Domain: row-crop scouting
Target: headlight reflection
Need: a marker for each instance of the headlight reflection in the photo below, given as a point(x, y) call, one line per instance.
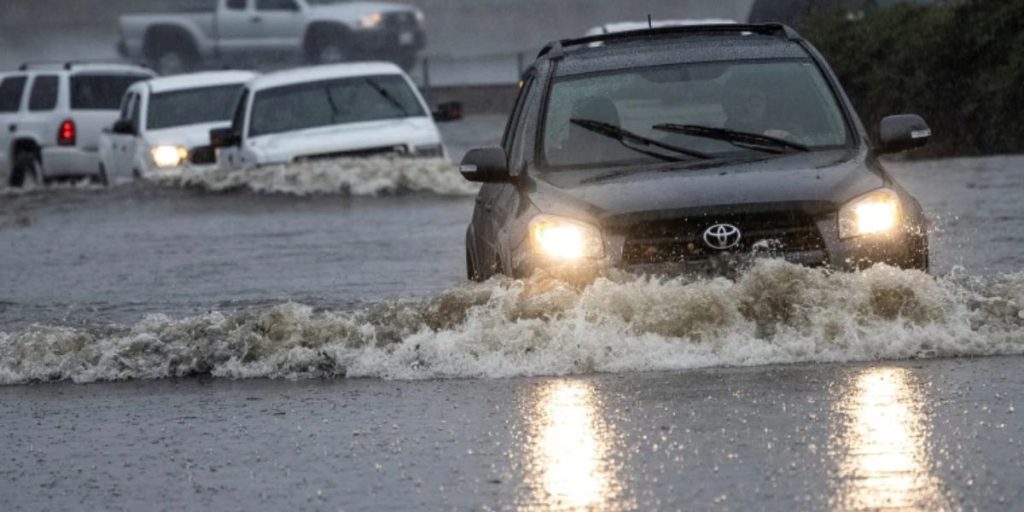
point(569, 451)
point(884, 461)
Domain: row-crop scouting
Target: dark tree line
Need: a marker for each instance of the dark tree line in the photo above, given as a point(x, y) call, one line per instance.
point(960, 65)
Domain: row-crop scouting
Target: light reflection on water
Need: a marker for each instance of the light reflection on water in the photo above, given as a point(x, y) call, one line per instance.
point(883, 448)
point(569, 449)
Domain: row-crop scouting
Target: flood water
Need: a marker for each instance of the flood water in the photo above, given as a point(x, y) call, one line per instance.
point(786, 388)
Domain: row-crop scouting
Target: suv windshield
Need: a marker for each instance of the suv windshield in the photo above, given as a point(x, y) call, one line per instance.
point(334, 102)
point(194, 106)
point(712, 110)
point(100, 92)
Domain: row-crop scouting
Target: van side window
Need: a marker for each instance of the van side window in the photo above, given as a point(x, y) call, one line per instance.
point(237, 5)
point(44, 93)
point(11, 90)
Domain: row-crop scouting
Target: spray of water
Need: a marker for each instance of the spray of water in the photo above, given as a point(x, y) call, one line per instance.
point(775, 313)
point(362, 177)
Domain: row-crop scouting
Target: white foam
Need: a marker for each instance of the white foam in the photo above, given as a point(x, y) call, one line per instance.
point(362, 177)
point(775, 313)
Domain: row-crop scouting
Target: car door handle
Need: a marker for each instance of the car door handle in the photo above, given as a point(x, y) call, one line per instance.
point(256, 19)
point(12, 128)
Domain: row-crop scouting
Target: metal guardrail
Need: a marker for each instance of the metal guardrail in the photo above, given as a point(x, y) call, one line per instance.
point(467, 70)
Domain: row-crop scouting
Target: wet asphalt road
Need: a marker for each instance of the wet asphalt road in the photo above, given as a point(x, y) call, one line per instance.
point(939, 435)
point(927, 435)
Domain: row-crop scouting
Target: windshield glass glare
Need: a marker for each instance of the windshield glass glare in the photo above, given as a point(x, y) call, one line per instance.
point(194, 106)
point(349, 100)
point(788, 100)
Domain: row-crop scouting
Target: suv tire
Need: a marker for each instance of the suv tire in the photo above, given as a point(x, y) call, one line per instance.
point(174, 61)
point(27, 167)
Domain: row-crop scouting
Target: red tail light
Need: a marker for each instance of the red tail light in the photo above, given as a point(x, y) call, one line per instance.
point(67, 134)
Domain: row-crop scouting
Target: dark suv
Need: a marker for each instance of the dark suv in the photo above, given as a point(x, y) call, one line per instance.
point(689, 149)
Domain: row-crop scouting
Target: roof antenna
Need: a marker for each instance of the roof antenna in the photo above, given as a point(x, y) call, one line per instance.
point(650, 22)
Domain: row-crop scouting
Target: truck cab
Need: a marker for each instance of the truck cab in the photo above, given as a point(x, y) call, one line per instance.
point(313, 31)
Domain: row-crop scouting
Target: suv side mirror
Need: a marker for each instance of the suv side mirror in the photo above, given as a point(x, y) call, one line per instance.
point(224, 138)
point(902, 133)
point(447, 112)
point(123, 127)
point(486, 166)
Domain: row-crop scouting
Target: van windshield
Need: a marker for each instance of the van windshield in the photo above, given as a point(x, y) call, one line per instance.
point(193, 106)
point(696, 107)
point(333, 102)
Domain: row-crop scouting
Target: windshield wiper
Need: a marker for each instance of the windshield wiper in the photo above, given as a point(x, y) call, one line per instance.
point(335, 112)
point(745, 140)
point(627, 138)
point(387, 96)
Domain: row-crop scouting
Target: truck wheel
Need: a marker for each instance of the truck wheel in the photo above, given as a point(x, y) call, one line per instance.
point(173, 62)
point(27, 171)
point(328, 46)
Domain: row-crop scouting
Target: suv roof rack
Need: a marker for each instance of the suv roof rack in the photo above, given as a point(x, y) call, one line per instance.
point(67, 65)
point(556, 49)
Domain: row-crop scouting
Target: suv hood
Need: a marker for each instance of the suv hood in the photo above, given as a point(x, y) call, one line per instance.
point(353, 11)
point(816, 181)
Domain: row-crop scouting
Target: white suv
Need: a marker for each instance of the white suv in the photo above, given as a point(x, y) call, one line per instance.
point(165, 122)
point(322, 112)
point(52, 115)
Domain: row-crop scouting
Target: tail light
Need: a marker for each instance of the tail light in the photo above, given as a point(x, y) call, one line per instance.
point(67, 134)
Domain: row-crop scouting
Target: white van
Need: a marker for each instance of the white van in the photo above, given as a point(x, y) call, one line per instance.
point(165, 122)
point(336, 111)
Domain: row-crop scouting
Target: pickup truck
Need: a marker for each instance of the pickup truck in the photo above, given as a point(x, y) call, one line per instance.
point(313, 31)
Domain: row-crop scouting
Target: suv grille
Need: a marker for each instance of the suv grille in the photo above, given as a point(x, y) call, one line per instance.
point(678, 240)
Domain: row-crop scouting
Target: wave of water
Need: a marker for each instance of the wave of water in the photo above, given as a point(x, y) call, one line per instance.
point(775, 313)
point(361, 177)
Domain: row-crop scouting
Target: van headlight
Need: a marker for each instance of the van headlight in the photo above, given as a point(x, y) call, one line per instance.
point(874, 213)
point(565, 239)
point(166, 157)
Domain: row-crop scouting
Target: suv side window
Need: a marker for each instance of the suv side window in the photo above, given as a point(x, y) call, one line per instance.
point(11, 90)
point(276, 5)
point(513, 120)
point(44, 93)
point(237, 5)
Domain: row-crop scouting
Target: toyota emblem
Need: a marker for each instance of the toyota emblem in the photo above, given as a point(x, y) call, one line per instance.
point(722, 237)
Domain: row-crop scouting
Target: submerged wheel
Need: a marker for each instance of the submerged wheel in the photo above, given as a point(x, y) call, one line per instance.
point(27, 170)
point(471, 271)
point(100, 178)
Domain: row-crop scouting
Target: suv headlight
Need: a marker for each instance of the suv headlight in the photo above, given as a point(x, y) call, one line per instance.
point(565, 239)
point(874, 213)
point(168, 156)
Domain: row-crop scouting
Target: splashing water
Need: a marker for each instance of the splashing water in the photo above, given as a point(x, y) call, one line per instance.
point(775, 313)
point(360, 177)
